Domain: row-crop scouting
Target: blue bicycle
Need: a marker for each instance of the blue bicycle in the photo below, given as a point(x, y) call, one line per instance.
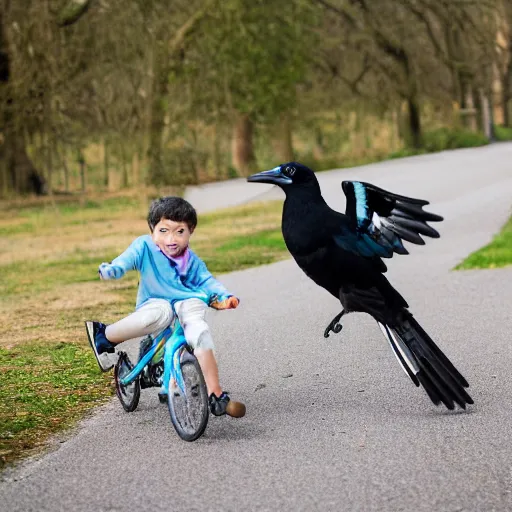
point(167, 362)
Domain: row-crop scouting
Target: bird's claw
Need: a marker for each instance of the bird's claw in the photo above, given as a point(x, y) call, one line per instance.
point(334, 326)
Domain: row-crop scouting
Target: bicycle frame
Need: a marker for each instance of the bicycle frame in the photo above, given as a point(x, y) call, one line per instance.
point(172, 341)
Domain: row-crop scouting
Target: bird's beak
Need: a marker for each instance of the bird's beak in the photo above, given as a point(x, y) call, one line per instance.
point(274, 176)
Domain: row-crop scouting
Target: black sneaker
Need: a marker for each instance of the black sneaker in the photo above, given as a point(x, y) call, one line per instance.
point(100, 345)
point(219, 406)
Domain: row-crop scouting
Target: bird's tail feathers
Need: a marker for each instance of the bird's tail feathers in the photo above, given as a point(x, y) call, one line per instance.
point(425, 363)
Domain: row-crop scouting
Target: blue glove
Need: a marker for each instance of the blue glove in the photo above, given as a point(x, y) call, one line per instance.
point(106, 271)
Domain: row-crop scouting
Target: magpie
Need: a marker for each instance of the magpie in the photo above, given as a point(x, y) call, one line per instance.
point(343, 253)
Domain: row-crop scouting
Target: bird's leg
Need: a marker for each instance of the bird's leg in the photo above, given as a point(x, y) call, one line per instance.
point(334, 326)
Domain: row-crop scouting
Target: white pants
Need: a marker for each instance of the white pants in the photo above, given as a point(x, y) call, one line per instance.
point(156, 314)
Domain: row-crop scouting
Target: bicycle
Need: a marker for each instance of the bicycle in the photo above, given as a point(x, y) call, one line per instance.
point(169, 362)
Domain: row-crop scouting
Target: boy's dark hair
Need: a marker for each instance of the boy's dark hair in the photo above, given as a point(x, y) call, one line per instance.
point(171, 208)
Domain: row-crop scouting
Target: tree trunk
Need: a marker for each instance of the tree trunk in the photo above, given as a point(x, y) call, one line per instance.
point(414, 122)
point(507, 90)
point(469, 110)
point(486, 114)
point(461, 77)
point(24, 176)
point(124, 164)
point(167, 59)
point(4, 176)
point(506, 111)
point(242, 151)
point(49, 162)
point(410, 93)
point(413, 106)
point(217, 154)
point(81, 162)
point(64, 162)
point(136, 168)
point(319, 146)
point(283, 145)
point(20, 175)
point(161, 69)
point(106, 164)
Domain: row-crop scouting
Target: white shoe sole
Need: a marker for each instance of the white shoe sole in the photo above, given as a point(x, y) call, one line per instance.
point(104, 361)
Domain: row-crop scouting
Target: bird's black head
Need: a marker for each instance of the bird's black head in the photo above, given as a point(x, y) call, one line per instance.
point(286, 175)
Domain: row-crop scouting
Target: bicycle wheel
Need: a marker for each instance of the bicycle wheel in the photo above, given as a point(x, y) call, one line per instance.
point(128, 395)
point(189, 411)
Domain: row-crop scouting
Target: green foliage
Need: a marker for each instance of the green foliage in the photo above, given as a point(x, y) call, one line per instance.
point(232, 173)
point(405, 152)
point(496, 254)
point(257, 52)
point(443, 139)
point(340, 162)
point(502, 133)
point(320, 164)
point(446, 138)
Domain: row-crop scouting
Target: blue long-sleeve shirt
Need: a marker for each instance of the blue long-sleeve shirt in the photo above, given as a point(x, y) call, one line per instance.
point(159, 277)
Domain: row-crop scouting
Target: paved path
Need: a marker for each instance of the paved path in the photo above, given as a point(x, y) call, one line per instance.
point(332, 424)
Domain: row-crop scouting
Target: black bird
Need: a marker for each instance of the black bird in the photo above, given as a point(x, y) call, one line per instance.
point(342, 253)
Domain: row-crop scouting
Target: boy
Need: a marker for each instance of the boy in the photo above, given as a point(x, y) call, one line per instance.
point(173, 280)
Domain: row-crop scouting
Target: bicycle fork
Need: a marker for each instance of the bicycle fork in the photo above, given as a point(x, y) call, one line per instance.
point(172, 360)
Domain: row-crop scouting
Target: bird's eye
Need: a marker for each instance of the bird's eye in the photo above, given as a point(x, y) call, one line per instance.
point(289, 170)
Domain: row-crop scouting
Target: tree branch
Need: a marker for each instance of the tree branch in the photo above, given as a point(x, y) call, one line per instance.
point(430, 30)
point(354, 84)
point(188, 27)
point(342, 12)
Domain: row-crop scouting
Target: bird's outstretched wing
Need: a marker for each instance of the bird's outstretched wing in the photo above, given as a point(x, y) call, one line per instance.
point(381, 220)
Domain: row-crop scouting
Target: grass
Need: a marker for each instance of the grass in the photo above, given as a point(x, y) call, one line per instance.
point(502, 133)
point(49, 255)
point(44, 387)
point(443, 139)
point(497, 254)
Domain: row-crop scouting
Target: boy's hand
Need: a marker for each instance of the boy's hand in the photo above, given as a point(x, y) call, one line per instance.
point(106, 271)
point(229, 303)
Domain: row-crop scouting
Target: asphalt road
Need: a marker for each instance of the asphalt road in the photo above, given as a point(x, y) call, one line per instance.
point(331, 424)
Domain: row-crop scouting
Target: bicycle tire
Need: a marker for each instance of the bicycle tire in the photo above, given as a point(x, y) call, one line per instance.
point(189, 413)
point(128, 395)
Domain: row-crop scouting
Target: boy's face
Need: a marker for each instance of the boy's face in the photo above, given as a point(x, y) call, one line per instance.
point(171, 237)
